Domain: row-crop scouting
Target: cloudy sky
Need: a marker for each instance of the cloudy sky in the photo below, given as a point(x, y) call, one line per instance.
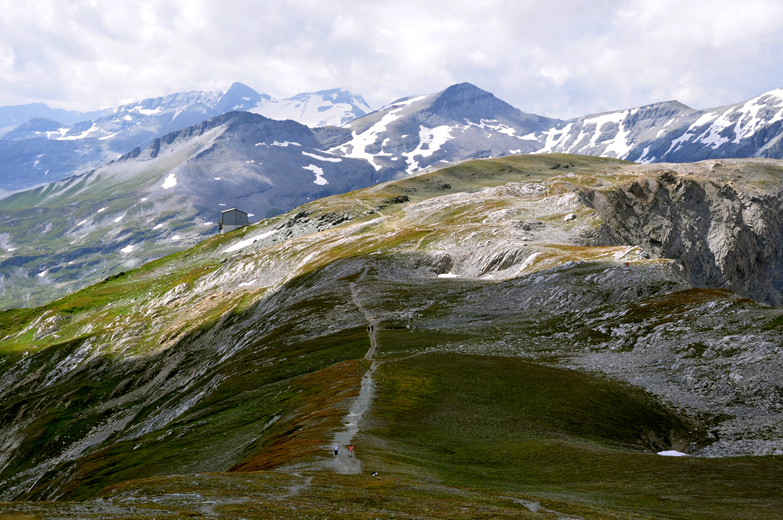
point(560, 58)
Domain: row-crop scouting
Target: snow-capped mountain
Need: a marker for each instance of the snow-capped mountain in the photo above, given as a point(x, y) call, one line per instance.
point(335, 107)
point(673, 132)
point(13, 116)
point(405, 136)
point(44, 150)
point(464, 121)
point(614, 134)
point(459, 122)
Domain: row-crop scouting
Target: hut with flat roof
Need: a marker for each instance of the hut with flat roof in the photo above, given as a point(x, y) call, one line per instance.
point(232, 219)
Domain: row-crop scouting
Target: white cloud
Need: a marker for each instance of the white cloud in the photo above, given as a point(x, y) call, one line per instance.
point(558, 58)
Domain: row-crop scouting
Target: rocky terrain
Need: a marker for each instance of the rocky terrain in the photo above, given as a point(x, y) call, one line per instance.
point(578, 314)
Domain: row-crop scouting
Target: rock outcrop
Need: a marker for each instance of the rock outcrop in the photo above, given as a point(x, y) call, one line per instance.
point(723, 231)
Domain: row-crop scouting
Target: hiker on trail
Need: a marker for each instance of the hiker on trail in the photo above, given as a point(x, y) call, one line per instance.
point(350, 451)
point(336, 447)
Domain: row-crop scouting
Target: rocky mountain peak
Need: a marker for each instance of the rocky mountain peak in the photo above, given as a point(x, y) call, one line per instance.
point(467, 101)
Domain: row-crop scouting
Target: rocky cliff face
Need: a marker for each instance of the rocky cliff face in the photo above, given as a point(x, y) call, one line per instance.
point(723, 230)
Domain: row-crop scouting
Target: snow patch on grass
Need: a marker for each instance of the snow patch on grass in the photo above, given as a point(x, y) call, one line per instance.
point(244, 243)
point(672, 453)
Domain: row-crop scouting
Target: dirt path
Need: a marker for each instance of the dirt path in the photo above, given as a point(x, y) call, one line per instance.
point(370, 320)
point(343, 438)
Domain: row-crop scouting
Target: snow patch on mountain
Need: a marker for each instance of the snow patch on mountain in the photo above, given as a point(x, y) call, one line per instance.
point(169, 182)
point(319, 174)
point(430, 141)
point(497, 127)
point(553, 138)
point(320, 158)
point(357, 146)
point(244, 243)
point(609, 132)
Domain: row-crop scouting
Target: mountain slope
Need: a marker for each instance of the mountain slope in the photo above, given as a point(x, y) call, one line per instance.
point(489, 300)
point(163, 199)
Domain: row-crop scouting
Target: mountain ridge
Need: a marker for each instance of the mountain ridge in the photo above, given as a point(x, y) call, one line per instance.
point(117, 132)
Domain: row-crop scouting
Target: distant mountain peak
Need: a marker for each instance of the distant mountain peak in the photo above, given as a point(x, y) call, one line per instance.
point(239, 97)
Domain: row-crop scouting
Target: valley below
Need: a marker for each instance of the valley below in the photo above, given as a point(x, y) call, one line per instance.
point(519, 337)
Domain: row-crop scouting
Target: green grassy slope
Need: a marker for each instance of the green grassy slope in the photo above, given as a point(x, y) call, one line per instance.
point(509, 426)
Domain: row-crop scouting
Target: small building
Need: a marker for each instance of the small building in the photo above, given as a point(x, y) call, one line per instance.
point(232, 219)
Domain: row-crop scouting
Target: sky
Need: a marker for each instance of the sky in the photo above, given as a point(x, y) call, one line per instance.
point(557, 58)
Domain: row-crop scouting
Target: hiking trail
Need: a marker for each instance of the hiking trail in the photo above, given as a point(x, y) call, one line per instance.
point(343, 463)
